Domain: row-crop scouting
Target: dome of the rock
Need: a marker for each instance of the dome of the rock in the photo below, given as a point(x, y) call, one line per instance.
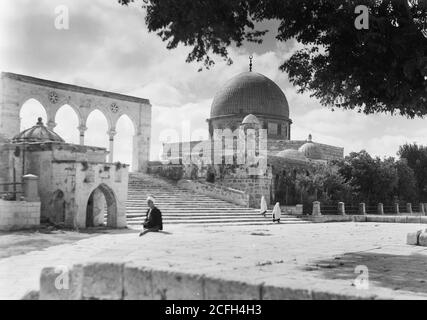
point(250, 93)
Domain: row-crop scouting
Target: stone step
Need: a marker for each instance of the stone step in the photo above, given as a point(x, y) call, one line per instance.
point(235, 221)
point(180, 206)
point(131, 216)
point(183, 208)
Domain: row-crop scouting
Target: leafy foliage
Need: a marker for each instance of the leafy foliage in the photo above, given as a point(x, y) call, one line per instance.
point(382, 69)
point(416, 158)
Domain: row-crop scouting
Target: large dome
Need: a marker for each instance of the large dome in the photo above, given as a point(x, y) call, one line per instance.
point(250, 93)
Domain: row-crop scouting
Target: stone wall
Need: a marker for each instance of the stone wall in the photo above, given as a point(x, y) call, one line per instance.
point(18, 215)
point(216, 191)
point(292, 210)
point(78, 181)
point(169, 171)
point(68, 175)
point(255, 187)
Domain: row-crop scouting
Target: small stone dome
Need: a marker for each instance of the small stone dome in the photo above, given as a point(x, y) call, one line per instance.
point(291, 154)
point(250, 92)
point(251, 119)
point(311, 150)
point(38, 133)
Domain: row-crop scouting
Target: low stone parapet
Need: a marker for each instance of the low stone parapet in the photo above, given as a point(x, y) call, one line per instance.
point(19, 215)
point(215, 191)
point(129, 281)
point(293, 210)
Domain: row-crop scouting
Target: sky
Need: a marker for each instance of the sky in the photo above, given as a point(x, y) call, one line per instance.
point(108, 47)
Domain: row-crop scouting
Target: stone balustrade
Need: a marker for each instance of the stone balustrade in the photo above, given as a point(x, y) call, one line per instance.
point(341, 209)
point(216, 191)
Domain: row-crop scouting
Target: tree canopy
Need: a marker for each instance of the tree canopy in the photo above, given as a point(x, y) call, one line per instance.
point(379, 69)
point(416, 158)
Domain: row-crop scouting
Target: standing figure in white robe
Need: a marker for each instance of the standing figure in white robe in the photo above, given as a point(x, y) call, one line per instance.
point(277, 213)
point(264, 207)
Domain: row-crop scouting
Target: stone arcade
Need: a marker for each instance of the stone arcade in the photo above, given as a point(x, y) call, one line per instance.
point(16, 89)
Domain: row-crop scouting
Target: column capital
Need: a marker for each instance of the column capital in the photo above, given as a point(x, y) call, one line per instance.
point(51, 124)
point(82, 128)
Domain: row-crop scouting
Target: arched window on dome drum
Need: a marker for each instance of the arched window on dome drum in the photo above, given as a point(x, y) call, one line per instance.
point(272, 128)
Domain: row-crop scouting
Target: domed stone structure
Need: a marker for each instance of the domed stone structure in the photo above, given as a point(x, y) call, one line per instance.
point(250, 119)
point(251, 93)
point(311, 150)
point(38, 133)
point(292, 154)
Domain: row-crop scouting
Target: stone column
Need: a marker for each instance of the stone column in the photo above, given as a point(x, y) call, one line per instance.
point(112, 133)
point(9, 116)
point(51, 124)
point(341, 208)
point(82, 129)
point(141, 153)
point(316, 209)
point(380, 208)
point(31, 188)
point(396, 208)
point(409, 208)
point(362, 209)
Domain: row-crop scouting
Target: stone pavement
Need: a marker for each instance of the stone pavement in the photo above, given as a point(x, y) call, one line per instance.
point(320, 257)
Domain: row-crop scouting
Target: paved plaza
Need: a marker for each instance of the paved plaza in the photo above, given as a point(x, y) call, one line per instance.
point(296, 256)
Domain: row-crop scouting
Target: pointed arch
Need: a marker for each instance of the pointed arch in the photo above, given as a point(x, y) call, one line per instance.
point(97, 128)
point(30, 110)
point(123, 141)
point(101, 198)
point(67, 123)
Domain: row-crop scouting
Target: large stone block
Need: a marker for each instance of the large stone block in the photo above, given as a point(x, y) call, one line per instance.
point(137, 283)
point(413, 238)
point(168, 285)
point(61, 284)
point(219, 289)
point(103, 281)
point(422, 240)
point(281, 293)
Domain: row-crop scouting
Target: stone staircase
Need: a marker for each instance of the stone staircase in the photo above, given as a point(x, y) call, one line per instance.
point(180, 206)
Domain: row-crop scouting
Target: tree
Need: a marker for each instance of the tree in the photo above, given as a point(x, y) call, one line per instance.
point(373, 179)
point(407, 188)
point(380, 69)
point(323, 183)
point(416, 158)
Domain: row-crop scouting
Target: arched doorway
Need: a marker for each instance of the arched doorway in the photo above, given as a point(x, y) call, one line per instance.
point(101, 208)
point(30, 111)
point(58, 207)
point(123, 141)
point(67, 123)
